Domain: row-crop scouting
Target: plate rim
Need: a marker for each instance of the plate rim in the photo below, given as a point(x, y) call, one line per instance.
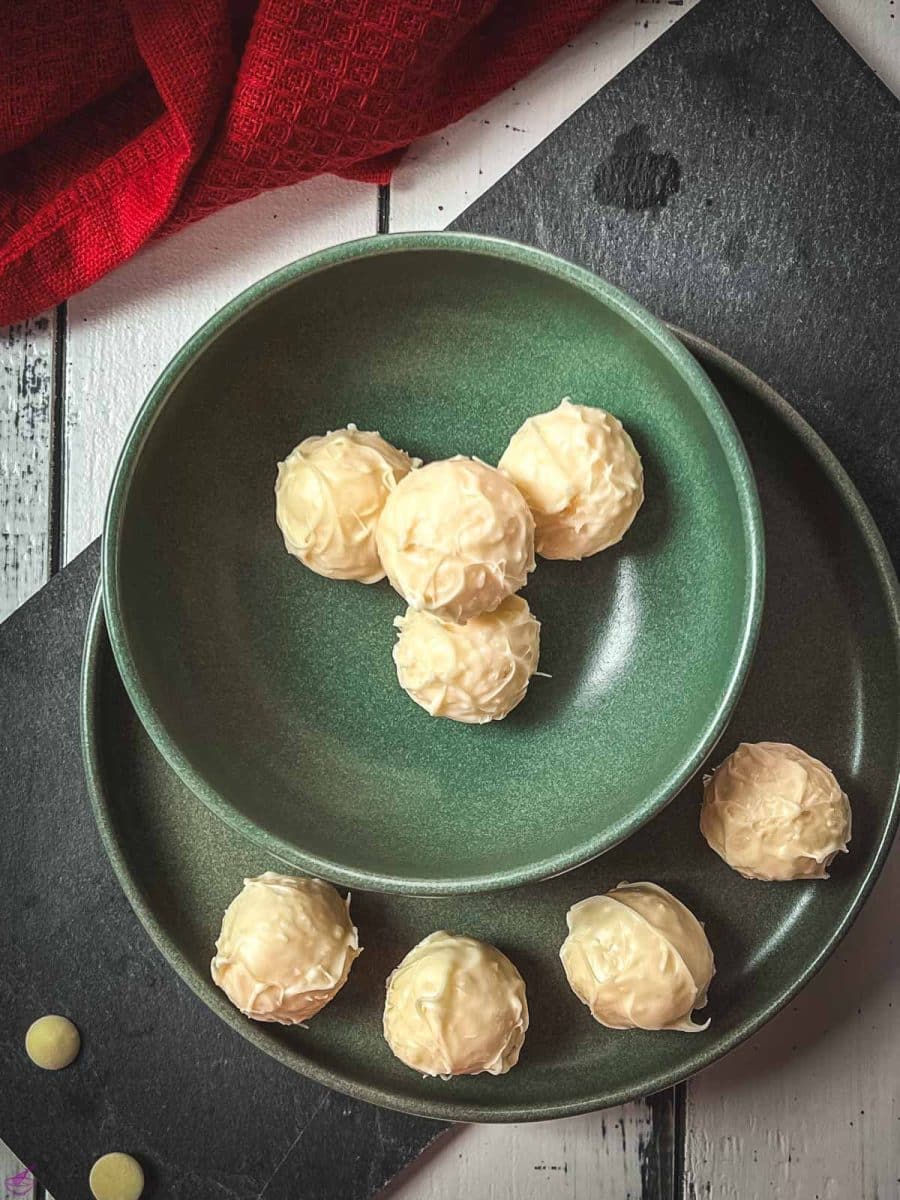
point(497, 1113)
point(729, 440)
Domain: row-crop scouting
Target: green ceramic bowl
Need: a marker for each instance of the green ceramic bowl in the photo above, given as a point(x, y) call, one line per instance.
point(271, 691)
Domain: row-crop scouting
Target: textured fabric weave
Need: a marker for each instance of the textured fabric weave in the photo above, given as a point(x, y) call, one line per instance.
point(121, 120)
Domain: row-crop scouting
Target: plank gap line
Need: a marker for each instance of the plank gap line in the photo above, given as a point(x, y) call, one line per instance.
point(58, 440)
point(384, 208)
point(679, 1140)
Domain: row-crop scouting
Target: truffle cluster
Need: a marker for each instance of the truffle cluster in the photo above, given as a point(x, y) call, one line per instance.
point(636, 956)
point(456, 539)
point(455, 1005)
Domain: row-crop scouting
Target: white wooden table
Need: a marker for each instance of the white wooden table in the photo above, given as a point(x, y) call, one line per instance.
point(809, 1109)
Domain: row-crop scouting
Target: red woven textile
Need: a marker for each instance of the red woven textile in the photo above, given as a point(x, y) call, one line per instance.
point(124, 119)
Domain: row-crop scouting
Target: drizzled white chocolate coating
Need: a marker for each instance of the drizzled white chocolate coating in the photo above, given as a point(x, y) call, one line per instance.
point(474, 673)
point(456, 538)
point(774, 812)
point(581, 475)
point(638, 958)
point(329, 495)
point(456, 1006)
point(286, 948)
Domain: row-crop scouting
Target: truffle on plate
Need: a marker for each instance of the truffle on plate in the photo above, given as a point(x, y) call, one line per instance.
point(456, 538)
point(456, 1006)
point(286, 948)
point(638, 958)
point(581, 475)
point(329, 495)
point(474, 673)
point(774, 812)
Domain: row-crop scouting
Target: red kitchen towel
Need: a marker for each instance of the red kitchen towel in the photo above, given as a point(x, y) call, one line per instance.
point(121, 120)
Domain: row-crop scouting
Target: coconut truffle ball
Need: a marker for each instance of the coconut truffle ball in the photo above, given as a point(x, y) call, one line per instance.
point(773, 812)
point(285, 949)
point(456, 1006)
point(638, 959)
point(329, 495)
point(474, 673)
point(456, 538)
point(581, 475)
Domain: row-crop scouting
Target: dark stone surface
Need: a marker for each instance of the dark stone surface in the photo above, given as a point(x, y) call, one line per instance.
point(159, 1076)
point(741, 179)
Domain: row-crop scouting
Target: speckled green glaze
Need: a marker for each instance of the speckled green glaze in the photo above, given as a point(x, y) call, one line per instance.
point(826, 675)
point(272, 692)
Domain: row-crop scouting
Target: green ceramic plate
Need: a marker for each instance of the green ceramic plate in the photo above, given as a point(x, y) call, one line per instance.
point(826, 675)
point(272, 692)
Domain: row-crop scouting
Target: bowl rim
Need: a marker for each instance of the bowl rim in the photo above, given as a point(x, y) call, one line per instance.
point(704, 393)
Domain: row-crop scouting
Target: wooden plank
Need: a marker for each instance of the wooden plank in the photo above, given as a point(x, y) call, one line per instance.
point(872, 27)
point(442, 174)
point(621, 1154)
point(26, 451)
point(15, 1178)
point(124, 329)
point(809, 1109)
point(26, 417)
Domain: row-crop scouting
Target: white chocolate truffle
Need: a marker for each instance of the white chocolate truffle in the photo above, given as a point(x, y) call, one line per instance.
point(474, 673)
point(329, 495)
point(286, 948)
point(456, 1006)
point(456, 538)
point(581, 475)
point(638, 959)
point(773, 812)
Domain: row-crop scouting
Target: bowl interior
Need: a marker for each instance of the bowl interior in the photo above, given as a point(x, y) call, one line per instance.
point(273, 691)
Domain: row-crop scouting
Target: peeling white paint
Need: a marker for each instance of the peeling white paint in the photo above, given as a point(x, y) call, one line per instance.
point(26, 402)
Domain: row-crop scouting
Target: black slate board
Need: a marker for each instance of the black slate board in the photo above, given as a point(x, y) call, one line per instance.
point(740, 179)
